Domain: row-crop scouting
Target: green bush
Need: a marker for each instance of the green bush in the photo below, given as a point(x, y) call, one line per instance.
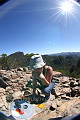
point(29, 84)
point(9, 98)
point(24, 69)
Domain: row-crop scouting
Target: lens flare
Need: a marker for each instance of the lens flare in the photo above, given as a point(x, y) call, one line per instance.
point(66, 7)
point(76, 2)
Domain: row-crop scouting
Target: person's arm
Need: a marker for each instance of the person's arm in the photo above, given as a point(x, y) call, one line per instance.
point(50, 73)
point(39, 75)
point(43, 79)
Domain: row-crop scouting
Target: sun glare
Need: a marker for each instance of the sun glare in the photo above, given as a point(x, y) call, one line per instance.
point(66, 7)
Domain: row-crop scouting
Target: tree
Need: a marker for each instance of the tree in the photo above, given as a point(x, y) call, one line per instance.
point(72, 69)
point(69, 61)
point(56, 60)
point(78, 63)
point(3, 61)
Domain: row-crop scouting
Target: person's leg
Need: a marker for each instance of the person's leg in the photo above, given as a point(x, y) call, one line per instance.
point(47, 89)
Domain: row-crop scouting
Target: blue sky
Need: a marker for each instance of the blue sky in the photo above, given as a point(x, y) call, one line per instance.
point(33, 26)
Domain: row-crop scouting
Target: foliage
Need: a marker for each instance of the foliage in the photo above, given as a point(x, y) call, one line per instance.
point(67, 64)
point(24, 69)
point(4, 62)
point(9, 97)
point(78, 63)
point(29, 84)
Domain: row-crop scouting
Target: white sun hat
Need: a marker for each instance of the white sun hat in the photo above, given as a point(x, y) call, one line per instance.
point(37, 62)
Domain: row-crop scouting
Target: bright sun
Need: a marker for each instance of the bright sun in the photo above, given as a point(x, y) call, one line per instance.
point(66, 6)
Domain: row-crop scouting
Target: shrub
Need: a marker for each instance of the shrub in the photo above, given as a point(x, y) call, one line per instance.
point(9, 97)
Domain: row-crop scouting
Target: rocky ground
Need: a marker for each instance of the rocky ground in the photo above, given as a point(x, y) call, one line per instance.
point(64, 100)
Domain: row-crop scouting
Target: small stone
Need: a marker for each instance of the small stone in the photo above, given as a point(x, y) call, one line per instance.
point(65, 97)
point(8, 88)
point(53, 106)
point(17, 94)
point(52, 97)
point(2, 90)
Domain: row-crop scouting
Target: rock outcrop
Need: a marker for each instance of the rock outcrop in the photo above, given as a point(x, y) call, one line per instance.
point(64, 100)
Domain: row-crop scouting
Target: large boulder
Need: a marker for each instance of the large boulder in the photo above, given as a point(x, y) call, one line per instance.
point(70, 107)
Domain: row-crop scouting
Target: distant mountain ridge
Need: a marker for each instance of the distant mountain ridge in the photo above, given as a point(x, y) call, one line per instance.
point(16, 56)
point(66, 54)
point(65, 62)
